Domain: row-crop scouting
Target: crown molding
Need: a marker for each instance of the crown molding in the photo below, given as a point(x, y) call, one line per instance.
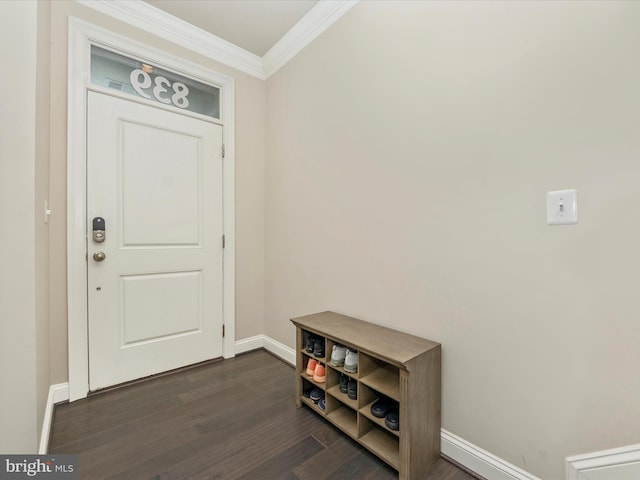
point(158, 22)
point(153, 20)
point(324, 14)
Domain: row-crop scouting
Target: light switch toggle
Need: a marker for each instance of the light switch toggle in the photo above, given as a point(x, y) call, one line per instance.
point(562, 207)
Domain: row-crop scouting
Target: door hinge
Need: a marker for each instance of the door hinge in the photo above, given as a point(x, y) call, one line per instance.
point(223, 150)
point(222, 330)
point(224, 242)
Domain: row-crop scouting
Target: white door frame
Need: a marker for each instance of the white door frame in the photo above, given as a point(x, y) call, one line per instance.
point(81, 36)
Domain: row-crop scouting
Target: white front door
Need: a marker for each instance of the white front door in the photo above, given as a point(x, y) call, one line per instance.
point(155, 300)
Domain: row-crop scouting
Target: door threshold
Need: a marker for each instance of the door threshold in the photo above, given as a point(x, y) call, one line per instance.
point(153, 377)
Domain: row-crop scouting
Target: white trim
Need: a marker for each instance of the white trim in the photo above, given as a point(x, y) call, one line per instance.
point(317, 20)
point(76, 215)
point(280, 350)
point(229, 215)
point(251, 343)
point(80, 36)
point(60, 392)
point(480, 461)
point(578, 465)
point(158, 22)
point(57, 393)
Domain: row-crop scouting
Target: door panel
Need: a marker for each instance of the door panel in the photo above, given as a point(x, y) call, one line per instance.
point(162, 169)
point(155, 301)
point(177, 299)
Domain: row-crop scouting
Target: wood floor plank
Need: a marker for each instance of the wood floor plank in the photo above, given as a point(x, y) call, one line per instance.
point(250, 449)
point(231, 420)
point(326, 462)
point(279, 466)
point(359, 465)
point(328, 436)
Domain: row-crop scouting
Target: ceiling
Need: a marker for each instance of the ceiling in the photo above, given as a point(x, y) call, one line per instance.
point(255, 25)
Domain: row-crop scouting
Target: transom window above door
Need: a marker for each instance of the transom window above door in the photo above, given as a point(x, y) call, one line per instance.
point(135, 77)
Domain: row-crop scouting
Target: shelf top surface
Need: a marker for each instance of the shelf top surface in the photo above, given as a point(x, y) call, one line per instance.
point(394, 346)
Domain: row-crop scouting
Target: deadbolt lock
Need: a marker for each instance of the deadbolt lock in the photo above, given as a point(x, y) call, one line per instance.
point(98, 229)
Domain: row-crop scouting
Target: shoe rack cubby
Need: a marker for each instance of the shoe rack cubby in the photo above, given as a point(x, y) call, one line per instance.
point(401, 367)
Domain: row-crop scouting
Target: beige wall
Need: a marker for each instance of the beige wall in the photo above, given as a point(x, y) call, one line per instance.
point(21, 255)
point(250, 151)
point(409, 151)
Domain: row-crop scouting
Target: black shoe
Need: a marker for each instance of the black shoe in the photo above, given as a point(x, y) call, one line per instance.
point(352, 389)
point(381, 407)
point(318, 348)
point(392, 420)
point(309, 342)
point(344, 381)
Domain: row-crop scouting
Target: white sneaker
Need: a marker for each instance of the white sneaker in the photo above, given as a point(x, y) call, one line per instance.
point(338, 355)
point(351, 361)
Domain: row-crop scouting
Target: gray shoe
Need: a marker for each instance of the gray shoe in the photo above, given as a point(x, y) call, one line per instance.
point(351, 361)
point(338, 355)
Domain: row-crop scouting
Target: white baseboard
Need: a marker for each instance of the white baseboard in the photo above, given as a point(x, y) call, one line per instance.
point(480, 461)
point(618, 463)
point(280, 350)
point(287, 354)
point(57, 393)
point(250, 343)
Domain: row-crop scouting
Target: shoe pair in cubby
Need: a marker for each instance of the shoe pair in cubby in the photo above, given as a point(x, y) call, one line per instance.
point(344, 357)
point(349, 386)
point(314, 344)
point(316, 371)
point(387, 409)
point(316, 395)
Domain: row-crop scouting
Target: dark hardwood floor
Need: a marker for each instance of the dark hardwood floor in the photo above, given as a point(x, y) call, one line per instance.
point(233, 419)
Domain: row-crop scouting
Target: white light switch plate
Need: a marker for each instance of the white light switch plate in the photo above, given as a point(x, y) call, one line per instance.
point(562, 207)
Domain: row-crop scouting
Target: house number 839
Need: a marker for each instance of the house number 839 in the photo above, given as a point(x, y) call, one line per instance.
point(177, 96)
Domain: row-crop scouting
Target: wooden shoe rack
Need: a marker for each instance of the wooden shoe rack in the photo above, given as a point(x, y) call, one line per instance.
point(402, 367)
